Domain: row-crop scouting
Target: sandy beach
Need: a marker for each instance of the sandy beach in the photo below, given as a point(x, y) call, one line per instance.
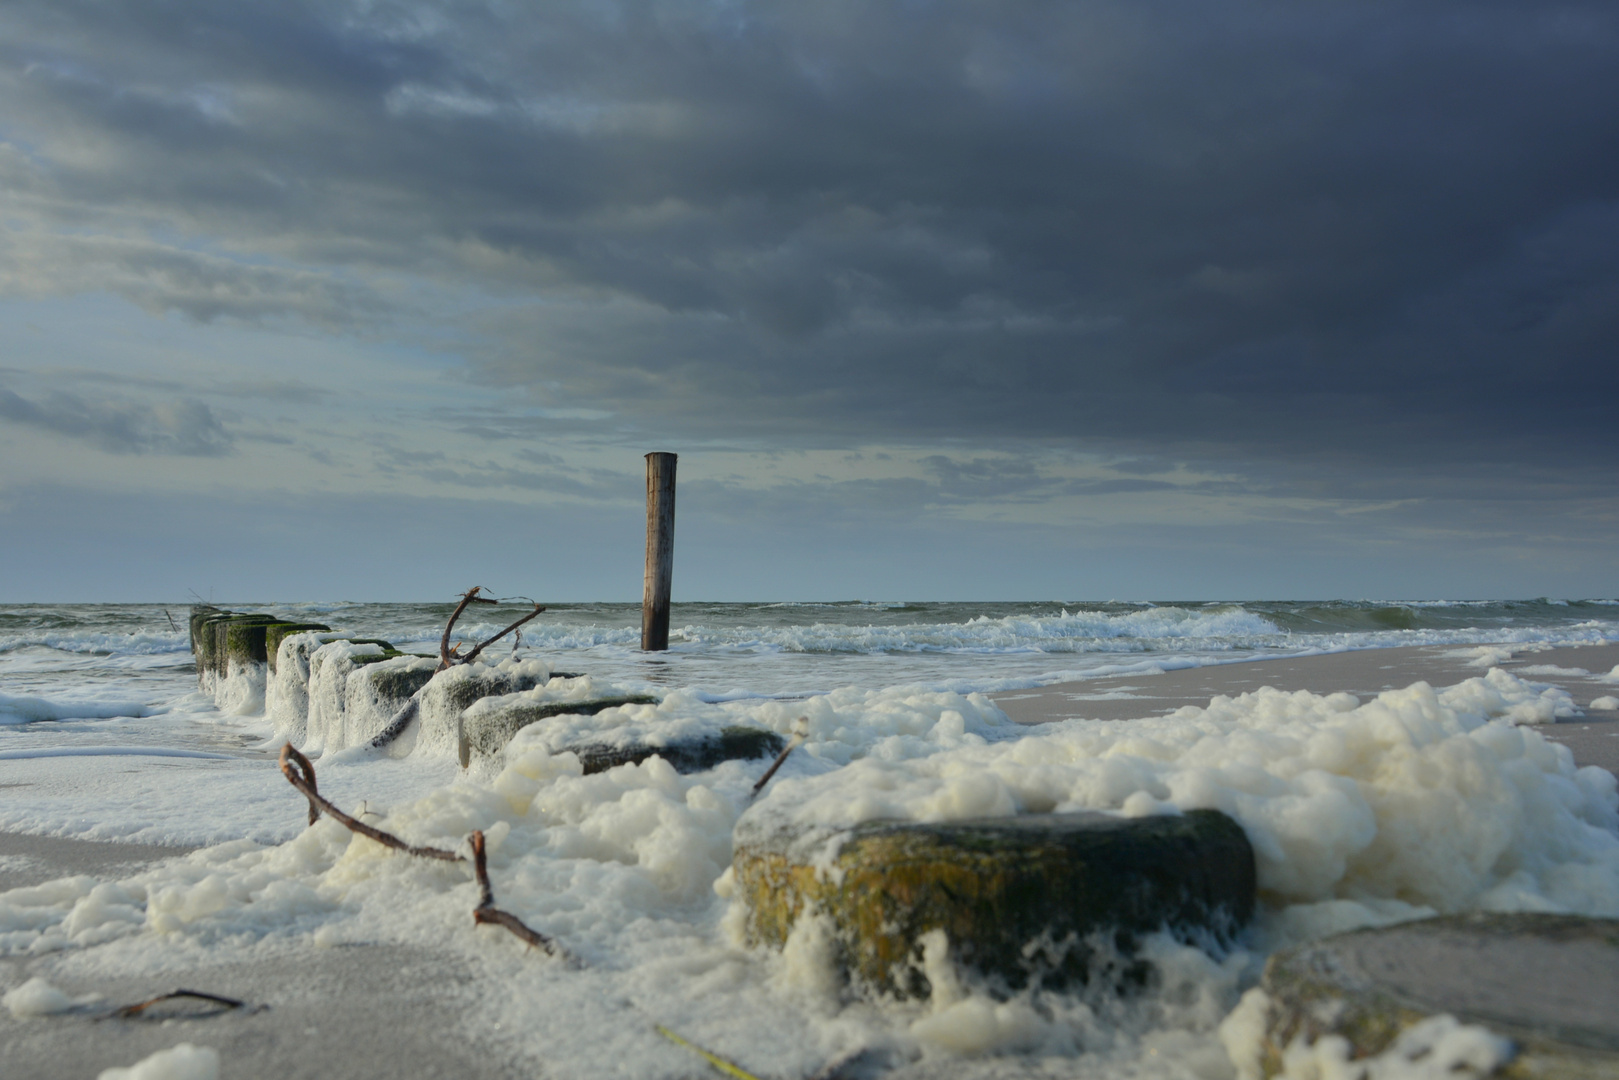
point(365, 1010)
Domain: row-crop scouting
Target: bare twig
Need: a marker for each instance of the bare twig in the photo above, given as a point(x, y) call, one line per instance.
point(135, 1010)
point(473, 655)
point(487, 912)
point(445, 653)
point(301, 774)
point(792, 744)
point(169, 617)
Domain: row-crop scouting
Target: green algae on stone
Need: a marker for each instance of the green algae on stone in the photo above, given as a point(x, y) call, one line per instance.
point(1546, 982)
point(249, 644)
point(1021, 900)
point(199, 613)
point(202, 637)
point(276, 633)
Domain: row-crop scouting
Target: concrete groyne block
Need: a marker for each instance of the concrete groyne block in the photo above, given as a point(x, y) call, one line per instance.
point(454, 690)
point(1546, 984)
point(688, 755)
point(606, 726)
point(377, 688)
point(330, 665)
point(490, 725)
point(213, 644)
point(276, 633)
point(1019, 900)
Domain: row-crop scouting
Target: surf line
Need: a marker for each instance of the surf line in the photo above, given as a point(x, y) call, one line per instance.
point(108, 751)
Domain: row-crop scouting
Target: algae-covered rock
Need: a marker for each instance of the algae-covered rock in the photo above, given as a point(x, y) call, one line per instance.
point(240, 669)
point(276, 633)
point(241, 636)
point(1020, 899)
point(1546, 982)
point(205, 642)
point(200, 613)
point(455, 689)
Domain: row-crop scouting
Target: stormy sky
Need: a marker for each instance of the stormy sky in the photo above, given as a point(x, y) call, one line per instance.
point(968, 300)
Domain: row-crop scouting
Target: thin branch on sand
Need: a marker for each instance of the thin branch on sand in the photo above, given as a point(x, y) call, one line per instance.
point(135, 1010)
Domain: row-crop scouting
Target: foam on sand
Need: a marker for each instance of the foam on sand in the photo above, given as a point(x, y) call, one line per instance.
point(1361, 813)
point(182, 1062)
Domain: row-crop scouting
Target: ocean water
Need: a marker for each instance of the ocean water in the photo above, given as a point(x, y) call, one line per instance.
point(1361, 812)
point(139, 652)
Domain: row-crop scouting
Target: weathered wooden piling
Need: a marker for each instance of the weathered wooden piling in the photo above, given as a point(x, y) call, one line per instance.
point(660, 550)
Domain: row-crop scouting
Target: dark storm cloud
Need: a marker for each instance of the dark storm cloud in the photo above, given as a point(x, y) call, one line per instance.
point(1330, 231)
point(185, 427)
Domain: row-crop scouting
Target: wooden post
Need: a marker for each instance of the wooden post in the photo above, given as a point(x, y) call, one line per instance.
point(660, 551)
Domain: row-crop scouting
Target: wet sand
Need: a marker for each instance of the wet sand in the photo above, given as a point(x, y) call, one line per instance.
point(1594, 738)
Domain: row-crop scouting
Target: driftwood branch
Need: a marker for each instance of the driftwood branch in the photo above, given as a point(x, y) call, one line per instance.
point(447, 655)
point(135, 1010)
point(301, 774)
point(482, 645)
point(792, 744)
point(399, 723)
point(487, 912)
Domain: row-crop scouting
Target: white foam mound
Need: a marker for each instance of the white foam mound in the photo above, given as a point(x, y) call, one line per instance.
point(241, 691)
point(182, 1062)
point(36, 997)
point(1432, 799)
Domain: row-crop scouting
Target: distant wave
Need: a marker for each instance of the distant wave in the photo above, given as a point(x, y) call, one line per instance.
point(28, 710)
point(98, 643)
point(106, 751)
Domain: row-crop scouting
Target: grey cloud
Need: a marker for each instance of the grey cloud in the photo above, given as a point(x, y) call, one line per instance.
point(184, 427)
point(1346, 232)
point(161, 278)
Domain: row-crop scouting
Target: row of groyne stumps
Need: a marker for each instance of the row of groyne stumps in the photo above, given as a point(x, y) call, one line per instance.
point(1038, 901)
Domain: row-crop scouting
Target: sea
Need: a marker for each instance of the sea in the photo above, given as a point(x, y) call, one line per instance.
point(105, 736)
point(90, 659)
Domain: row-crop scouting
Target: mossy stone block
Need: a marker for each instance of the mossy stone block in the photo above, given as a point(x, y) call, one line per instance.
point(202, 637)
point(1546, 982)
point(686, 755)
point(276, 633)
point(248, 644)
point(488, 732)
point(1020, 899)
point(200, 613)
